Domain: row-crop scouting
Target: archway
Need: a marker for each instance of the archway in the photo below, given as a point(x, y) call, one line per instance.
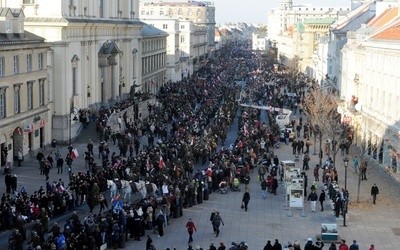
point(18, 142)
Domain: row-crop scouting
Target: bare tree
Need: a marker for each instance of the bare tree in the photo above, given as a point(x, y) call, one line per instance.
point(320, 108)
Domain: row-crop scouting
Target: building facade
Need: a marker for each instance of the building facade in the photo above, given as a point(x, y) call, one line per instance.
point(153, 51)
point(94, 60)
point(201, 13)
point(369, 91)
point(25, 101)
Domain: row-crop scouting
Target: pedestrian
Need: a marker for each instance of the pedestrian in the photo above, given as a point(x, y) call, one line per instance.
point(190, 228)
point(20, 157)
point(268, 246)
point(277, 245)
point(319, 244)
point(355, 163)
point(7, 180)
point(343, 245)
point(247, 182)
point(245, 200)
point(46, 170)
point(90, 147)
point(217, 220)
point(309, 245)
point(354, 246)
point(374, 192)
point(221, 246)
point(148, 243)
point(160, 225)
point(60, 164)
point(322, 199)
point(313, 197)
point(212, 247)
point(364, 171)
point(14, 183)
point(274, 185)
point(372, 247)
point(316, 173)
point(264, 185)
point(213, 213)
point(332, 246)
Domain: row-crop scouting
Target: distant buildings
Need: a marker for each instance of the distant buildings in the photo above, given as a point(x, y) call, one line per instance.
point(356, 55)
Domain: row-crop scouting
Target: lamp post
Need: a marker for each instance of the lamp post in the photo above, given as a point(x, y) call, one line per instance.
point(346, 163)
point(73, 112)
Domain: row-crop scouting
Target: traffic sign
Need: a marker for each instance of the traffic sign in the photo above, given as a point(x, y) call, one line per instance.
point(118, 206)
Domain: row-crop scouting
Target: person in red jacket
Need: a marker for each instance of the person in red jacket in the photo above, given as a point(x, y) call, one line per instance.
point(343, 245)
point(191, 228)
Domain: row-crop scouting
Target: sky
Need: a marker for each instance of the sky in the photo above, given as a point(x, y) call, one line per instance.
point(255, 11)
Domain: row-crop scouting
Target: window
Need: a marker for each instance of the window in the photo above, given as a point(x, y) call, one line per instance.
point(142, 12)
point(16, 100)
point(161, 12)
point(182, 27)
point(182, 39)
point(28, 2)
point(40, 61)
point(198, 13)
point(180, 12)
point(165, 26)
point(30, 94)
point(16, 64)
point(2, 62)
point(29, 62)
point(41, 92)
point(2, 103)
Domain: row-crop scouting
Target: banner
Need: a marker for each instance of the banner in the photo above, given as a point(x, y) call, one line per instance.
point(296, 198)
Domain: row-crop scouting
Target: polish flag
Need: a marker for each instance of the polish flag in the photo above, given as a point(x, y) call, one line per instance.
point(161, 164)
point(74, 153)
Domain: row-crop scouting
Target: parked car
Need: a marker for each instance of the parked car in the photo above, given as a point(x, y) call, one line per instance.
point(292, 134)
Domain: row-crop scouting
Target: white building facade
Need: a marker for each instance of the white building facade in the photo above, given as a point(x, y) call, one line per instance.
point(94, 58)
point(370, 89)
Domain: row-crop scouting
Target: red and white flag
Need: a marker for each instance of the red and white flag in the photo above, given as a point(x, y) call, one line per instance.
point(115, 198)
point(246, 132)
point(161, 164)
point(74, 153)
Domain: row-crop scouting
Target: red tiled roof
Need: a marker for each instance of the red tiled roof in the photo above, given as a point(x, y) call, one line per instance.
point(384, 18)
point(391, 33)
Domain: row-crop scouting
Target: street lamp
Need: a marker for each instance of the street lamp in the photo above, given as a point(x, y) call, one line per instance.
point(346, 163)
point(73, 112)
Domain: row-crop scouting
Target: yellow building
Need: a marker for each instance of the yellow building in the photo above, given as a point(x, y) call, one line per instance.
point(25, 114)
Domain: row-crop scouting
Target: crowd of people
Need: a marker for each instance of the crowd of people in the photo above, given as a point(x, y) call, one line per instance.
point(185, 127)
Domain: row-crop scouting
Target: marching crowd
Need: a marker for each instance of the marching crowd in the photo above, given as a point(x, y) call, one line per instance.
point(184, 128)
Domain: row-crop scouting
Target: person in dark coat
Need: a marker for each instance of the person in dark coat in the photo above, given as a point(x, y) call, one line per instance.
point(246, 199)
point(268, 246)
point(7, 180)
point(14, 183)
point(148, 242)
point(277, 245)
point(322, 199)
point(374, 192)
point(274, 185)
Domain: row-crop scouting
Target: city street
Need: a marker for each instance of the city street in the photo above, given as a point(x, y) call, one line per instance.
point(266, 219)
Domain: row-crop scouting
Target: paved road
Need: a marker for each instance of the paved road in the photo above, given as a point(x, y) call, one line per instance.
point(266, 219)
